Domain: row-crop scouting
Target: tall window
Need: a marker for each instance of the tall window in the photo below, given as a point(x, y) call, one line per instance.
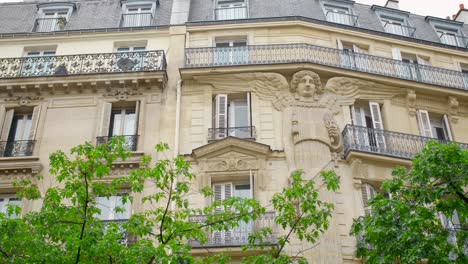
point(120, 119)
point(413, 67)
point(231, 116)
point(339, 14)
point(137, 15)
point(434, 125)
point(369, 131)
point(231, 9)
point(52, 20)
point(353, 56)
point(449, 36)
point(464, 70)
point(130, 58)
point(397, 26)
point(367, 192)
point(6, 201)
point(109, 205)
point(18, 132)
point(231, 52)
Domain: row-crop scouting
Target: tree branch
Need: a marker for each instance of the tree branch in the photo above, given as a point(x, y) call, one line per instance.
point(151, 260)
point(161, 228)
point(85, 216)
point(4, 253)
point(289, 234)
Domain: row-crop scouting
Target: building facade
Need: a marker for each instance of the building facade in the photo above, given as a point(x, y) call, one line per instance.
point(246, 90)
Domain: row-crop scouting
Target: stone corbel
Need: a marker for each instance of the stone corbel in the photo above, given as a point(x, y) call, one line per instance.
point(453, 109)
point(411, 102)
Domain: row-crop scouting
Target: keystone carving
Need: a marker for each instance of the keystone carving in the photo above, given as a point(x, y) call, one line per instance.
point(453, 109)
point(24, 99)
point(122, 93)
point(411, 101)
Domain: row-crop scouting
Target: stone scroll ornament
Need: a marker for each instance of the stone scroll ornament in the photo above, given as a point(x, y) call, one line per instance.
point(310, 131)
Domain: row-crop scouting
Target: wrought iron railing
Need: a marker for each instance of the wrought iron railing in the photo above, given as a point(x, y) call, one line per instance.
point(341, 18)
point(125, 240)
point(238, 236)
point(239, 132)
point(130, 141)
point(19, 148)
point(47, 24)
point(141, 61)
point(398, 29)
point(306, 53)
point(454, 40)
point(136, 20)
point(384, 142)
point(228, 13)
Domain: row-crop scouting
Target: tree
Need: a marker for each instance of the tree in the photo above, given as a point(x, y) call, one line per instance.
point(422, 216)
point(67, 229)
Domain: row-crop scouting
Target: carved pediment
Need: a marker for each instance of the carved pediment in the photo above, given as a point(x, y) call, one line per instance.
point(231, 144)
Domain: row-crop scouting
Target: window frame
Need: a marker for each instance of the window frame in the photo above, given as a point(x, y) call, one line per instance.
point(139, 5)
point(55, 8)
point(9, 197)
point(338, 5)
point(231, 4)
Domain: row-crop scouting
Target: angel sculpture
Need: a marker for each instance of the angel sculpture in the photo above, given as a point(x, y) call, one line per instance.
point(310, 131)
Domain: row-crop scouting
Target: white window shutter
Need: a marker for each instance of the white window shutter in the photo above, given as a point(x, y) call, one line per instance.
point(339, 44)
point(249, 114)
point(396, 54)
point(424, 123)
point(137, 116)
point(7, 124)
point(447, 128)
point(376, 116)
point(352, 110)
point(221, 114)
point(34, 122)
point(367, 192)
point(105, 119)
point(422, 61)
point(2, 115)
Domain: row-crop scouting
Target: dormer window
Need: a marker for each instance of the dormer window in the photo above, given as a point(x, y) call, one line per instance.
point(231, 9)
point(137, 13)
point(395, 21)
point(53, 16)
point(448, 31)
point(339, 12)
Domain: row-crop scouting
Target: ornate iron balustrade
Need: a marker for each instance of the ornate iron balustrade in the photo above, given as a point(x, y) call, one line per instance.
point(239, 132)
point(384, 142)
point(401, 30)
point(19, 148)
point(454, 40)
point(306, 53)
point(125, 240)
point(141, 61)
point(231, 13)
point(130, 141)
point(342, 18)
point(237, 236)
point(46, 25)
point(136, 20)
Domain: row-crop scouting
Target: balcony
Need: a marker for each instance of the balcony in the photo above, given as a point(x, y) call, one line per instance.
point(19, 148)
point(130, 141)
point(306, 53)
point(230, 13)
point(239, 132)
point(238, 236)
point(47, 25)
point(136, 20)
point(342, 18)
point(382, 142)
point(399, 29)
point(141, 61)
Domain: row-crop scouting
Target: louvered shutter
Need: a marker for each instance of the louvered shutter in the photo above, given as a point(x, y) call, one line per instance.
point(378, 125)
point(424, 122)
point(34, 122)
point(352, 111)
point(448, 130)
point(367, 192)
point(221, 115)
point(7, 124)
point(104, 124)
point(2, 116)
point(396, 54)
point(222, 191)
point(137, 116)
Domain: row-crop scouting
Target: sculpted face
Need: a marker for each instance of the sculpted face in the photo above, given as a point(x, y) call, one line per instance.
point(306, 86)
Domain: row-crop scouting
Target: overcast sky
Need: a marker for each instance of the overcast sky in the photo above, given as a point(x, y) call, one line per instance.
point(437, 8)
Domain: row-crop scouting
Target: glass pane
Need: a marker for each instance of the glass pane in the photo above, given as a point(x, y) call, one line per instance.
point(116, 120)
point(123, 49)
point(138, 48)
point(241, 114)
point(27, 127)
point(104, 205)
point(126, 207)
point(16, 128)
point(130, 122)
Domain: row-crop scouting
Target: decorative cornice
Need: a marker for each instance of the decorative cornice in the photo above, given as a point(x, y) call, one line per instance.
point(231, 143)
point(24, 99)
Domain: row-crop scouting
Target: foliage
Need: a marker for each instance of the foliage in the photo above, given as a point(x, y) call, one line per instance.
point(67, 228)
point(405, 226)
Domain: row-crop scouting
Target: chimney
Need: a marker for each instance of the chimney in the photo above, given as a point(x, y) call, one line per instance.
point(462, 15)
point(392, 4)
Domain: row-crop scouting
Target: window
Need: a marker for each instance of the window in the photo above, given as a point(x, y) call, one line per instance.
point(231, 52)
point(108, 207)
point(130, 58)
point(464, 70)
point(413, 67)
point(397, 26)
point(19, 131)
point(353, 56)
point(434, 126)
point(240, 234)
point(38, 63)
point(53, 16)
point(450, 36)
point(339, 14)
point(231, 116)
point(231, 9)
point(137, 14)
point(120, 119)
point(368, 131)
point(368, 192)
point(6, 201)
